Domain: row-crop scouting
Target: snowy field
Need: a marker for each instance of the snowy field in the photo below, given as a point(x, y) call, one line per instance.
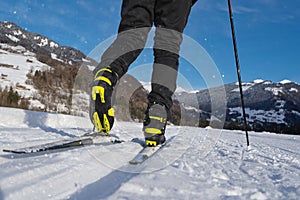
point(195, 164)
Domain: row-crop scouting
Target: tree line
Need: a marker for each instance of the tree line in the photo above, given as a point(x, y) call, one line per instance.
point(11, 98)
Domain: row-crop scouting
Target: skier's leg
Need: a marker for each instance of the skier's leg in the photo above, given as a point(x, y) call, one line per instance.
point(137, 19)
point(136, 22)
point(170, 20)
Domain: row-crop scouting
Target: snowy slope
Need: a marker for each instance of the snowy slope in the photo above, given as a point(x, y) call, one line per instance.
point(19, 62)
point(197, 163)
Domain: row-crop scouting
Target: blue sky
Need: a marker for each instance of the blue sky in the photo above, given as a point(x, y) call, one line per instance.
point(267, 32)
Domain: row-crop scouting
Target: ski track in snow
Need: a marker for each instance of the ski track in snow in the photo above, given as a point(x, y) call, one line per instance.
point(195, 164)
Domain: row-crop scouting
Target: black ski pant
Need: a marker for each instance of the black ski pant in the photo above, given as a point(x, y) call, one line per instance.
point(137, 18)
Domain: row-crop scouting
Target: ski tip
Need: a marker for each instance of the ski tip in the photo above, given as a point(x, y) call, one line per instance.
point(118, 141)
point(133, 162)
point(137, 161)
point(13, 151)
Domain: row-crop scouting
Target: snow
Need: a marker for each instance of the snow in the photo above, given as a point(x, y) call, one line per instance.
point(296, 112)
point(272, 116)
point(196, 164)
point(257, 81)
point(267, 83)
point(275, 90)
point(44, 42)
point(79, 104)
point(146, 85)
point(21, 62)
point(245, 86)
point(85, 60)
point(16, 74)
point(91, 67)
point(36, 104)
point(53, 45)
point(293, 90)
point(192, 109)
point(285, 82)
point(54, 56)
point(17, 32)
point(12, 38)
point(8, 25)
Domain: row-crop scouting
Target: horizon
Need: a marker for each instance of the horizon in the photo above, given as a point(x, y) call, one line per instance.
point(267, 33)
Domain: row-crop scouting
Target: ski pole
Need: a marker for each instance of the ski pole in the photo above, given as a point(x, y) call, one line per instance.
point(238, 69)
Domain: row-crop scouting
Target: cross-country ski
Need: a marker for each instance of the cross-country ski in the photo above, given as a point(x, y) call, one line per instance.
point(144, 154)
point(88, 139)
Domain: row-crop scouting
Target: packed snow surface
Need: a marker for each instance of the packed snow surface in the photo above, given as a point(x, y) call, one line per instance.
point(195, 164)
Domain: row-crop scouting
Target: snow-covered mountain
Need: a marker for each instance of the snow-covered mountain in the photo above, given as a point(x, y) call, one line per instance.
point(14, 35)
point(269, 106)
point(42, 72)
point(197, 164)
point(270, 103)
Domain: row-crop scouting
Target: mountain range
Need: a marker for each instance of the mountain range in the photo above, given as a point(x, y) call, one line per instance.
point(37, 73)
point(270, 106)
point(12, 34)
